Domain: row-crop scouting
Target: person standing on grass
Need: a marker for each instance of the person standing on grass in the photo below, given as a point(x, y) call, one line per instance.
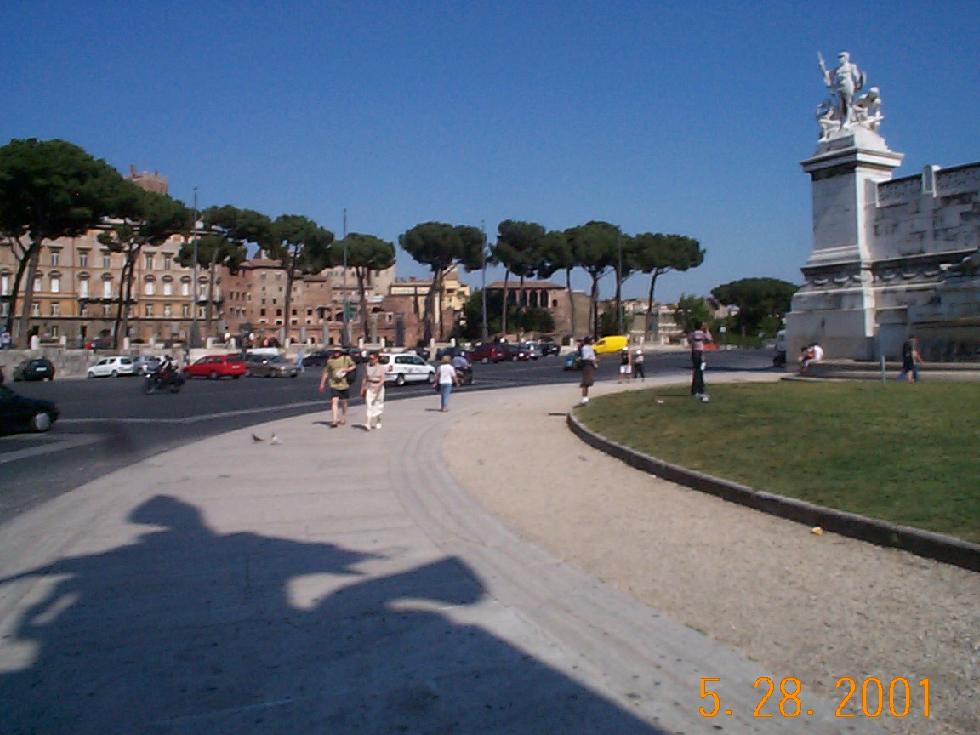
point(697, 338)
point(337, 371)
point(625, 365)
point(373, 390)
point(445, 379)
point(911, 359)
point(638, 364)
point(589, 364)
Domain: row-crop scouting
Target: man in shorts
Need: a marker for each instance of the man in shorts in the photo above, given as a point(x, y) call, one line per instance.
point(338, 371)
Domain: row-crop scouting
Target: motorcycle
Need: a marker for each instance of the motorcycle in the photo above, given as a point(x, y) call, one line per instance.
point(161, 380)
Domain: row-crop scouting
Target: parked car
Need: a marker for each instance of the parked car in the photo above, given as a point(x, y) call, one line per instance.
point(549, 347)
point(779, 359)
point(34, 368)
point(452, 352)
point(407, 368)
point(101, 343)
point(490, 352)
point(147, 364)
point(19, 413)
point(112, 367)
point(613, 343)
point(273, 367)
point(316, 359)
point(217, 366)
point(526, 351)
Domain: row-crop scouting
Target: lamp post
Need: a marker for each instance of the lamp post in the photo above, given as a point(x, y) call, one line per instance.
point(483, 280)
point(194, 327)
point(346, 337)
point(619, 281)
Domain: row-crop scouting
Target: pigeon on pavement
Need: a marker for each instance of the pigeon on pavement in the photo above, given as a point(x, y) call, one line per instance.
point(257, 438)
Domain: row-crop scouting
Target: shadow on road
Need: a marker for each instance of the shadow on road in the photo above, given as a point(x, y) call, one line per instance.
point(193, 631)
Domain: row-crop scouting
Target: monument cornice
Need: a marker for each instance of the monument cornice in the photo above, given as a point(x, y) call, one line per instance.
point(840, 160)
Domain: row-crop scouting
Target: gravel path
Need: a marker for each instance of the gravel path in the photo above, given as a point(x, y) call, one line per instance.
point(816, 608)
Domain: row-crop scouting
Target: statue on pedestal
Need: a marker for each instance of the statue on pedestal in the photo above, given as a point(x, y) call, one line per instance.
point(845, 109)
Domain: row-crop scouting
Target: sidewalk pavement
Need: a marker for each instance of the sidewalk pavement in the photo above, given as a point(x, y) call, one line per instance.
point(337, 581)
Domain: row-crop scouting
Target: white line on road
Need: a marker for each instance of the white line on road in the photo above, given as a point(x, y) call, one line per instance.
point(51, 445)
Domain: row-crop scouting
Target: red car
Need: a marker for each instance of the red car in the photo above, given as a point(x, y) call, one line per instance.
point(217, 366)
point(490, 352)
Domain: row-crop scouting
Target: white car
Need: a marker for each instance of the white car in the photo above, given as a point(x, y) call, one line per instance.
point(112, 367)
point(405, 368)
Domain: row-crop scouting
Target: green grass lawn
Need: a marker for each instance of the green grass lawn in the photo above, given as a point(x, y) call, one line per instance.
point(904, 453)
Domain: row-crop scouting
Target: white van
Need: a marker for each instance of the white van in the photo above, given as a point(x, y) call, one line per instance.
point(406, 368)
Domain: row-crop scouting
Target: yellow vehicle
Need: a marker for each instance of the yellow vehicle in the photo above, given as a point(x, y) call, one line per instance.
point(613, 343)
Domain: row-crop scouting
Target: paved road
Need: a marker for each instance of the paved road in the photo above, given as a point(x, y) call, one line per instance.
point(108, 423)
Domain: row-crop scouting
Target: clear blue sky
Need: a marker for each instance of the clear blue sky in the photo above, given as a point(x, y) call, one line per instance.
point(685, 117)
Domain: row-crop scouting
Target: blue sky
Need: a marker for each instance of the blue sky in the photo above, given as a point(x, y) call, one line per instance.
point(685, 117)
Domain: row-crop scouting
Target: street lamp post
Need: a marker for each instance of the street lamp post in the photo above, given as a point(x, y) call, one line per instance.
point(619, 282)
point(483, 280)
point(346, 337)
point(194, 326)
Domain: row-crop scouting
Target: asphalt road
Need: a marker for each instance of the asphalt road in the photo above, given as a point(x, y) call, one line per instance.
point(108, 423)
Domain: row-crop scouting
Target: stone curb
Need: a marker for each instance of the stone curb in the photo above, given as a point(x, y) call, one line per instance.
point(915, 541)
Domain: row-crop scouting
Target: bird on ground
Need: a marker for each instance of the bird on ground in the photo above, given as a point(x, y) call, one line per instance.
point(274, 440)
point(257, 438)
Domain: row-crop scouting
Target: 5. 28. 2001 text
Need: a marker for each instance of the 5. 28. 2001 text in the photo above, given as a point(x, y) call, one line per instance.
point(876, 698)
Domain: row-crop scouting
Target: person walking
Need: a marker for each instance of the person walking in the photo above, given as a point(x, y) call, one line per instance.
point(589, 364)
point(445, 379)
point(697, 338)
point(625, 366)
point(373, 390)
point(638, 364)
point(300, 358)
point(337, 372)
point(911, 359)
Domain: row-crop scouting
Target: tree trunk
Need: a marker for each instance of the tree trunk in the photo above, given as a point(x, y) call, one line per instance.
point(287, 304)
point(503, 316)
point(595, 306)
point(427, 306)
point(362, 289)
point(653, 283)
point(571, 301)
point(120, 302)
point(22, 260)
point(438, 310)
point(129, 298)
point(210, 304)
point(23, 331)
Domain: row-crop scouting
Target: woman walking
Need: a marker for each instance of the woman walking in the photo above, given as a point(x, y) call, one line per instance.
point(589, 363)
point(373, 391)
point(445, 379)
point(625, 365)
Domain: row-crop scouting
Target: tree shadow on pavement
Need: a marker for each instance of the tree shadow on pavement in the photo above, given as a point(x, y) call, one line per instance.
point(186, 630)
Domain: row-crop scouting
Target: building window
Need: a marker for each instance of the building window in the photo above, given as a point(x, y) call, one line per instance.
point(147, 309)
point(5, 284)
point(168, 261)
point(55, 284)
point(55, 331)
point(83, 309)
point(149, 288)
point(55, 308)
point(149, 261)
point(278, 312)
point(35, 308)
point(185, 310)
point(106, 261)
point(185, 288)
point(167, 310)
point(168, 288)
point(83, 258)
point(37, 284)
point(107, 289)
point(200, 312)
point(55, 257)
point(261, 312)
point(106, 310)
point(83, 287)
